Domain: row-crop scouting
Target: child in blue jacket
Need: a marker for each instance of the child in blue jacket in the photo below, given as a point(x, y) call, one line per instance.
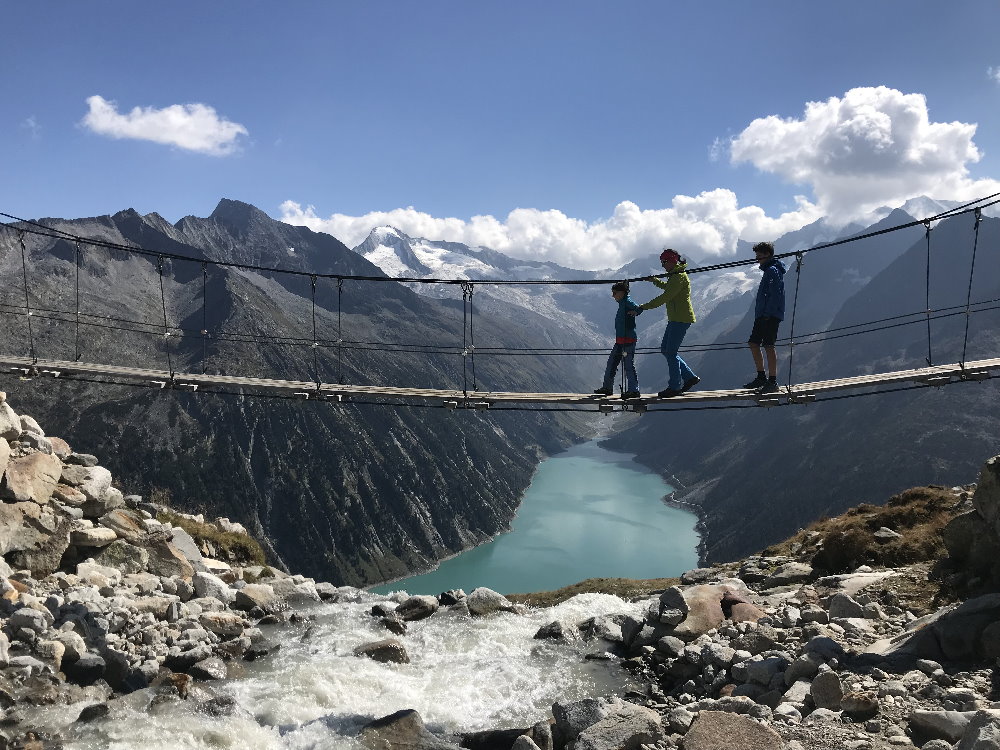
point(769, 311)
point(624, 348)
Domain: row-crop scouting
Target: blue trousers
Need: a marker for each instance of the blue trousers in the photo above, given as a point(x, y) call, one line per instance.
point(619, 353)
point(672, 338)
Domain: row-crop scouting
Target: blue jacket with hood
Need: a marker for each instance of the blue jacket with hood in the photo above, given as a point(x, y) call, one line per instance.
point(771, 292)
point(625, 323)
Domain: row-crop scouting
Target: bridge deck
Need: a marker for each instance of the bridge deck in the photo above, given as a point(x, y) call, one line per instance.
point(935, 375)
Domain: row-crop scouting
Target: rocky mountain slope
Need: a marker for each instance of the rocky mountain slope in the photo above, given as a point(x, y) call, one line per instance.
point(353, 493)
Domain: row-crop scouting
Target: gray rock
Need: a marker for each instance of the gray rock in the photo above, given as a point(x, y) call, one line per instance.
point(389, 650)
point(10, 423)
point(206, 584)
point(575, 716)
point(827, 691)
point(96, 536)
point(31, 478)
point(558, 630)
point(788, 574)
point(859, 704)
point(946, 725)
point(124, 557)
point(417, 608)
point(484, 601)
point(842, 605)
point(983, 733)
point(626, 727)
point(719, 730)
point(403, 729)
point(679, 720)
point(212, 668)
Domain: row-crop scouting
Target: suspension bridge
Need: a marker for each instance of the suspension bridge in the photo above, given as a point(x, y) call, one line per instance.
point(33, 364)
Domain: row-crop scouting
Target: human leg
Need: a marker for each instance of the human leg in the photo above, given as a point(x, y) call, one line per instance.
point(611, 368)
point(631, 376)
point(673, 335)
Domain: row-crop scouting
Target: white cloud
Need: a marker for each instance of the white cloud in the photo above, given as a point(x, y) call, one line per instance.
point(31, 125)
point(704, 226)
point(193, 127)
point(872, 147)
point(994, 73)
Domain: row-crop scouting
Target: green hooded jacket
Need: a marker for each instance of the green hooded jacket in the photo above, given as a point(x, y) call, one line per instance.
point(676, 296)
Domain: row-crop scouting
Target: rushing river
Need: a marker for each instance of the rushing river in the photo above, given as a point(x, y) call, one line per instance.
point(588, 513)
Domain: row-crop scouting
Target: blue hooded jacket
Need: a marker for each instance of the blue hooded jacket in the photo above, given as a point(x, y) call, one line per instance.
point(625, 323)
point(771, 292)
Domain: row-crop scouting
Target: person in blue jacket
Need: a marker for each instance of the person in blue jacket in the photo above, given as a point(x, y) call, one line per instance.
point(769, 311)
point(624, 348)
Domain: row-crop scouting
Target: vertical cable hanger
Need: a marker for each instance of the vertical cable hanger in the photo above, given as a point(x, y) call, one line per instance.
point(791, 332)
point(315, 343)
point(78, 253)
point(340, 332)
point(27, 303)
point(472, 339)
point(927, 293)
point(163, 304)
point(204, 316)
point(465, 340)
point(968, 296)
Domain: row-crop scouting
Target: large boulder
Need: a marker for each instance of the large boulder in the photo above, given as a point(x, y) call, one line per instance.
point(959, 633)
point(389, 650)
point(44, 557)
point(625, 727)
point(31, 478)
point(10, 422)
point(403, 729)
point(417, 608)
point(721, 730)
point(484, 601)
point(705, 604)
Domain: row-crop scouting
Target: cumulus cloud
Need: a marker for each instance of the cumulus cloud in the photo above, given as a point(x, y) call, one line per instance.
point(994, 73)
point(870, 148)
point(192, 127)
point(30, 124)
point(703, 226)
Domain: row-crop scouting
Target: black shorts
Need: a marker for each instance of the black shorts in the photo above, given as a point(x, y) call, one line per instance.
point(765, 331)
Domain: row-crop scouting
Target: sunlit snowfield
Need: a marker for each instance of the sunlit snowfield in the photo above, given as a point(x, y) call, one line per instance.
point(465, 675)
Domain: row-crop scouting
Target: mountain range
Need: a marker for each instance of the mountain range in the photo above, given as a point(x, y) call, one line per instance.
point(361, 493)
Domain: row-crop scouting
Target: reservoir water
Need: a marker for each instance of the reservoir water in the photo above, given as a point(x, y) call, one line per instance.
point(588, 513)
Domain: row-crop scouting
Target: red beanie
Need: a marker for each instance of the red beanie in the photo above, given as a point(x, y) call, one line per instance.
point(669, 254)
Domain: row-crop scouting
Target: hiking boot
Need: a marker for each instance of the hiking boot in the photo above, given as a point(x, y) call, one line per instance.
point(690, 383)
point(758, 382)
point(771, 386)
point(631, 394)
point(602, 391)
point(669, 393)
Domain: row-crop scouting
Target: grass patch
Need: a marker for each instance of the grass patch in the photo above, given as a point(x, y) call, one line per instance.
point(625, 588)
point(841, 544)
point(230, 546)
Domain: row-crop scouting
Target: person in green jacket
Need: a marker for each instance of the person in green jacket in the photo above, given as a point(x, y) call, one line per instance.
point(676, 296)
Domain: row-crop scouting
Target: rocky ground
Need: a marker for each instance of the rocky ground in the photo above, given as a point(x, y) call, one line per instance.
point(103, 594)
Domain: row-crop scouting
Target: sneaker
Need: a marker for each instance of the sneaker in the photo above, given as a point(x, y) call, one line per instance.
point(669, 393)
point(758, 382)
point(690, 383)
point(631, 394)
point(770, 386)
point(602, 391)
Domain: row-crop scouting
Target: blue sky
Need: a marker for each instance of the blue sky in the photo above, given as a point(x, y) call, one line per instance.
point(582, 132)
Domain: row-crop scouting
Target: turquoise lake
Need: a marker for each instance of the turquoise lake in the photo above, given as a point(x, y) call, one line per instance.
point(588, 513)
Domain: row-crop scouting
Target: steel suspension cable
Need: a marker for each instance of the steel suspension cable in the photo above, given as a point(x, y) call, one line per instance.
point(27, 304)
point(166, 332)
point(791, 331)
point(968, 297)
point(927, 293)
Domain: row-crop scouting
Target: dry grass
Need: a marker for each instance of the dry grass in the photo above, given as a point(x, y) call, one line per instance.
point(625, 588)
point(841, 544)
point(231, 547)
